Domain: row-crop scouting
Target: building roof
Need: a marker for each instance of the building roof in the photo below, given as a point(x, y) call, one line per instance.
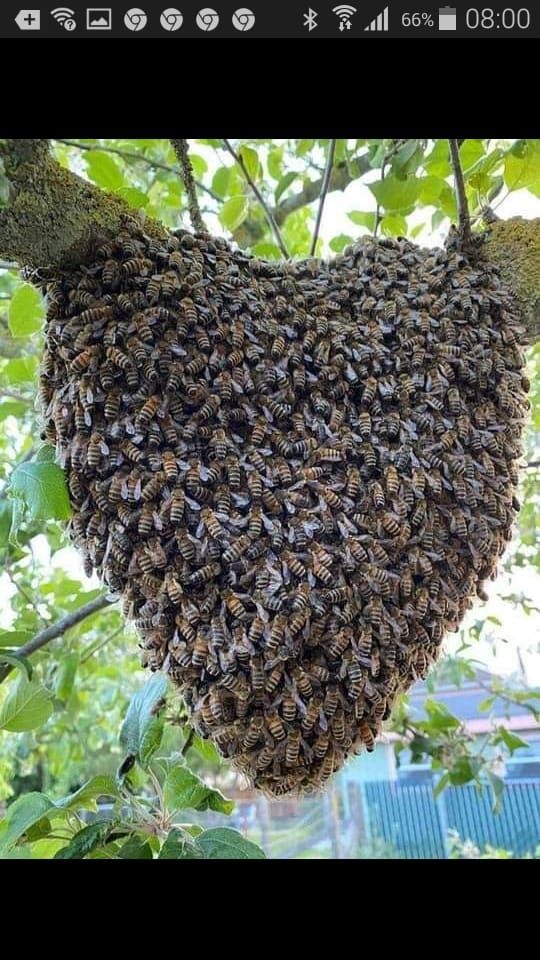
point(464, 702)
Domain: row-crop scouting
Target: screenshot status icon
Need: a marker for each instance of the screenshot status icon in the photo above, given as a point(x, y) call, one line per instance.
point(447, 18)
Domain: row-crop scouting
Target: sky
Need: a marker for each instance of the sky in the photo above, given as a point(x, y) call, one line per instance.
point(499, 650)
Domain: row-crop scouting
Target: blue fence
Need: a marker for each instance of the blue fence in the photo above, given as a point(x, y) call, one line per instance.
point(417, 825)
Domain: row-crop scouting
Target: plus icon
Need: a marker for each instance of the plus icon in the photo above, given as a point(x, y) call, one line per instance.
point(28, 20)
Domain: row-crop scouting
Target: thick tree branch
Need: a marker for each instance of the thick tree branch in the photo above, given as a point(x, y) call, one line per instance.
point(56, 630)
point(54, 219)
point(514, 246)
point(181, 149)
point(264, 206)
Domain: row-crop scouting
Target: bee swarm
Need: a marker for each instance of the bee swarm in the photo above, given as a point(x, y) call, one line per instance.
point(296, 476)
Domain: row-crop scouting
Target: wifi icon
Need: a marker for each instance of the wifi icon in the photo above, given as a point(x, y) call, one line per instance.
point(65, 17)
point(344, 11)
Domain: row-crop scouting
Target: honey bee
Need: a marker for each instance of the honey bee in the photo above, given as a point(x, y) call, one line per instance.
point(275, 725)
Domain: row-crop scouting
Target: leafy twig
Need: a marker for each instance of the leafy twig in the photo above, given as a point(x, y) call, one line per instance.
point(324, 190)
point(464, 221)
point(266, 209)
point(137, 158)
point(181, 149)
point(56, 630)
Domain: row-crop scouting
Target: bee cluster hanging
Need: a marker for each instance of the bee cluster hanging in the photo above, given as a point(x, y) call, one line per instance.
point(297, 476)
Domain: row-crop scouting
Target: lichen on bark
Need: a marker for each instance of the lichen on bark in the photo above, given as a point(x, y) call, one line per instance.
point(53, 218)
point(514, 246)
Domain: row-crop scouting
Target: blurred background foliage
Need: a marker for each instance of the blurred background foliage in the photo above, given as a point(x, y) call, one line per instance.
point(62, 708)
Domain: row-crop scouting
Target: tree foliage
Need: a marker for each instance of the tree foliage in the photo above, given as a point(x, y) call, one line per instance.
point(79, 722)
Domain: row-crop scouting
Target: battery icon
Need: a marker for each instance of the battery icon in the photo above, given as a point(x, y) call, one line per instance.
point(447, 18)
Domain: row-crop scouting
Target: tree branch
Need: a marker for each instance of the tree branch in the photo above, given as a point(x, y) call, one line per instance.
point(181, 149)
point(266, 209)
point(55, 219)
point(324, 190)
point(464, 224)
point(56, 630)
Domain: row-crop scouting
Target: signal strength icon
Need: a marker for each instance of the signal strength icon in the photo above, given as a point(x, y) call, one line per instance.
point(380, 23)
point(344, 11)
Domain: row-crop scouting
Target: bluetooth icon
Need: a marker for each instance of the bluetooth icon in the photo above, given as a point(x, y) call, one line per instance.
point(310, 19)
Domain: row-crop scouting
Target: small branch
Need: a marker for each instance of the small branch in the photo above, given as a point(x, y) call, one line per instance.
point(56, 630)
point(464, 224)
point(138, 158)
point(532, 464)
point(266, 209)
point(324, 190)
point(96, 646)
point(181, 149)
point(15, 396)
point(26, 596)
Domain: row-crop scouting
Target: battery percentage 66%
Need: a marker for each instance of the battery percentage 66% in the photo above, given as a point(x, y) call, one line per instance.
point(417, 20)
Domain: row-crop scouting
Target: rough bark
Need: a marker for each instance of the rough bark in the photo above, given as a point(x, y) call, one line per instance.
point(514, 245)
point(53, 218)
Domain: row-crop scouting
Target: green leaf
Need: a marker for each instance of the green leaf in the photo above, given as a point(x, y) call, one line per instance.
point(462, 771)
point(14, 638)
point(497, 788)
point(303, 146)
point(136, 848)
point(85, 797)
point(199, 165)
point(234, 212)
point(45, 454)
point(12, 408)
point(394, 194)
point(21, 815)
point(104, 170)
point(283, 184)
point(363, 219)
point(20, 663)
point(470, 153)
point(6, 509)
point(136, 198)
point(522, 165)
point(142, 728)
point(429, 189)
point(222, 843)
point(438, 161)
point(20, 370)
point(486, 704)
point(275, 162)
point(206, 749)
point(392, 225)
point(184, 789)
point(26, 311)
point(251, 161)
point(27, 706)
point(179, 846)
point(220, 181)
point(439, 715)
point(267, 251)
point(85, 841)
point(43, 489)
point(338, 243)
point(511, 740)
point(65, 676)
